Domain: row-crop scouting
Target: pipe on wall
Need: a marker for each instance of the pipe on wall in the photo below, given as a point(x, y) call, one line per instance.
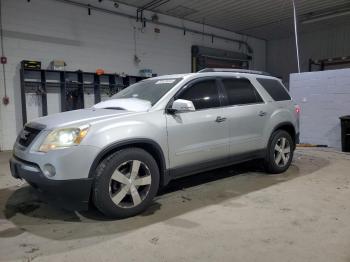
point(296, 35)
point(99, 9)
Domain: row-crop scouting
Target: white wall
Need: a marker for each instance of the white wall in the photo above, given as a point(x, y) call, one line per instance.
point(324, 96)
point(45, 30)
point(331, 42)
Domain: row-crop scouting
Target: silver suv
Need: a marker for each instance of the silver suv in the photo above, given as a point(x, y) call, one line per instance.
point(119, 152)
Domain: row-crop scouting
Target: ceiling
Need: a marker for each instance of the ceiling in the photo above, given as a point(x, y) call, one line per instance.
point(265, 19)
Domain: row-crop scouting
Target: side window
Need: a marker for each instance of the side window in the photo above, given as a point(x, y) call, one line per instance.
point(203, 94)
point(240, 91)
point(274, 88)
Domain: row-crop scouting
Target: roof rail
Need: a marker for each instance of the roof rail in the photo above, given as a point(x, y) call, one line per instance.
point(233, 70)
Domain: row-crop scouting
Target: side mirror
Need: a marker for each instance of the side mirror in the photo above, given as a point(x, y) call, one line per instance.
point(181, 106)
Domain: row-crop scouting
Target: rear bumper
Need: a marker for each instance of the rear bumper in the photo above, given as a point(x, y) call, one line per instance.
point(71, 194)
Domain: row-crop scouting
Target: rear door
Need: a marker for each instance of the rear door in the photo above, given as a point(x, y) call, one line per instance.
point(197, 139)
point(246, 113)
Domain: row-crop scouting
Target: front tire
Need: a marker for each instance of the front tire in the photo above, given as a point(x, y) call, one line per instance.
point(126, 182)
point(279, 153)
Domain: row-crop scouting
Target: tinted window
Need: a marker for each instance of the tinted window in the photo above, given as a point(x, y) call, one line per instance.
point(274, 88)
point(203, 94)
point(240, 91)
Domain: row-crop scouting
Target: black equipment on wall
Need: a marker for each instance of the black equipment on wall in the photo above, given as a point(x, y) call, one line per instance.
point(329, 63)
point(31, 64)
point(71, 85)
point(206, 57)
point(345, 133)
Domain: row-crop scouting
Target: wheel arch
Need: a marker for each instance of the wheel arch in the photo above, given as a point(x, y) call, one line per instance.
point(148, 145)
point(288, 127)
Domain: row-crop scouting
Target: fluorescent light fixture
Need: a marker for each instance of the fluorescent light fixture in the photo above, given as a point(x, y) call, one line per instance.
point(325, 17)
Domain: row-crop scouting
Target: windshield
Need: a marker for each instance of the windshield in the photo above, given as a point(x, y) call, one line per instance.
point(149, 90)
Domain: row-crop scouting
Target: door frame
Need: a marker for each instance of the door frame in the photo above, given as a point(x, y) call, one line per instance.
point(194, 81)
point(201, 166)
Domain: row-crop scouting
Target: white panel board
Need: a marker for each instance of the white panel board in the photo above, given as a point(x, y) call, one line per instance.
point(53, 103)
point(34, 106)
point(324, 96)
point(89, 100)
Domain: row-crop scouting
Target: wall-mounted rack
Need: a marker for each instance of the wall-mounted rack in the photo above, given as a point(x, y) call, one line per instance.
point(335, 62)
point(73, 88)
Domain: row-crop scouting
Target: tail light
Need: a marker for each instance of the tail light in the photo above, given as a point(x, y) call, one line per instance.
point(297, 109)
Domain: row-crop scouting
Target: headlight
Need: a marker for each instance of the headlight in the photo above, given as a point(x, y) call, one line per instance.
point(63, 138)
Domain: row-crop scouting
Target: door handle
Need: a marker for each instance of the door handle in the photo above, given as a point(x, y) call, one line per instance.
point(262, 113)
point(220, 119)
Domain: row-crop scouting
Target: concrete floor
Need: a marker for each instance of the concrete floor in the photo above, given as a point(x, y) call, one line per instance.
point(231, 214)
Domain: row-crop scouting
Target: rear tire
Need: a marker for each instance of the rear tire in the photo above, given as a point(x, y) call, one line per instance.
point(279, 153)
point(125, 183)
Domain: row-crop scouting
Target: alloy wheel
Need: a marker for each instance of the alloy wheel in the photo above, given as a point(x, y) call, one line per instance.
point(130, 183)
point(282, 152)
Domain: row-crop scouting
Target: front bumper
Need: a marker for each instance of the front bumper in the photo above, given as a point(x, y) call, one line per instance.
point(73, 194)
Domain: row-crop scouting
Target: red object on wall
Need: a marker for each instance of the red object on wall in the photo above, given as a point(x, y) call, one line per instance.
point(100, 72)
point(5, 100)
point(3, 60)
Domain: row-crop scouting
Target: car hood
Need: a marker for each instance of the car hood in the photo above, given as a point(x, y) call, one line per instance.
point(101, 111)
point(130, 104)
point(79, 117)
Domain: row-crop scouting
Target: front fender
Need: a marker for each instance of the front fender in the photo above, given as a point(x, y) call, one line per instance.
point(146, 128)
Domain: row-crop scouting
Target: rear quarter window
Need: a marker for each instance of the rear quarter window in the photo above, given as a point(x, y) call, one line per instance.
point(240, 91)
point(275, 89)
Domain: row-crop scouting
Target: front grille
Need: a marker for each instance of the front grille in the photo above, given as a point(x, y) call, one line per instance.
point(27, 135)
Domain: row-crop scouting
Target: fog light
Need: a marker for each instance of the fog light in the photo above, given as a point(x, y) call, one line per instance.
point(49, 170)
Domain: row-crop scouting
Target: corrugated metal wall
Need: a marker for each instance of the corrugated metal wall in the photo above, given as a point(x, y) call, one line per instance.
point(331, 42)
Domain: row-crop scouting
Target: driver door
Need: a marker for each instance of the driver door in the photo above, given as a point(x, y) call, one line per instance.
point(198, 139)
